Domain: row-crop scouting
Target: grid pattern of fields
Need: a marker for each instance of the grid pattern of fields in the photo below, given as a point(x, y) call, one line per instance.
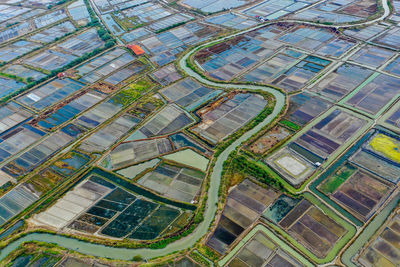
point(96, 205)
point(174, 182)
point(262, 251)
point(358, 190)
point(383, 250)
point(189, 93)
point(229, 116)
point(297, 161)
point(130, 153)
point(244, 205)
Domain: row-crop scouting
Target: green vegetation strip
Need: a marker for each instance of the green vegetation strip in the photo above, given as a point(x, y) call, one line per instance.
point(287, 186)
point(199, 258)
point(351, 231)
point(243, 164)
point(291, 125)
point(270, 235)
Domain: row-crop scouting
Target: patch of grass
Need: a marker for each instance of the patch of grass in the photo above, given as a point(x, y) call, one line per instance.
point(128, 23)
point(12, 76)
point(133, 91)
point(331, 184)
point(243, 165)
point(45, 181)
point(290, 124)
point(346, 171)
point(199, 258)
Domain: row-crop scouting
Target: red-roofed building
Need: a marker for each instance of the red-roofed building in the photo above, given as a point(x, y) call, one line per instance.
point(136, 49)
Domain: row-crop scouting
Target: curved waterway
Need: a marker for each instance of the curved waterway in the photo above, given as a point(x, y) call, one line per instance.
point(209, 213)
point(202, 229)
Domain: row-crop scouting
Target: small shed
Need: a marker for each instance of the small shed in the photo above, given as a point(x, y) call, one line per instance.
point(136, 49)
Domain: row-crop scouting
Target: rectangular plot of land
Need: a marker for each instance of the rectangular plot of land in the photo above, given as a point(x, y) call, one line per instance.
point(260, 250)
point(342, 80)
point(248, 201)
point(170, 119)
point(72, 204)
point(313, 228)
point(261, 195)
point(83, 227)
point(295, 214)
point(390, 38)
point(363, 193)
point(133, 152)
point(330, 133)
point(109, 134)
point(188, 93)
point(376, 94)
point(17, 139)
point(394, 66)
point(270, 70)
point(319, 229)
point(337, 47)
point(295, 78)
point(372, 56)
point(376, 165)
point(304, 107)
point(129, 219)
point(310, 239)
point(215, 124)
point(244, 206)
point(156, 223)
point(231, 226)
point(394, 118)
point(246, 211)
point(11, 115)
point(50, 93)
point(167, 75)
point(291, 166)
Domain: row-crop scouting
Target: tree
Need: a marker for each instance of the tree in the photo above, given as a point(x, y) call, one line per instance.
point(137, 258)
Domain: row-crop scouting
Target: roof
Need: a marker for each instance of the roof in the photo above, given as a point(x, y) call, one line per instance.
point(136, 49)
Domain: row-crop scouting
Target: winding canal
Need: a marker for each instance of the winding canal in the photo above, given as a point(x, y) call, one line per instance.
point(209, 213)
point(215, 179)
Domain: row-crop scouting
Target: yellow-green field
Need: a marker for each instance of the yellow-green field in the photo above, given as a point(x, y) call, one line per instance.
point(386, 145)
